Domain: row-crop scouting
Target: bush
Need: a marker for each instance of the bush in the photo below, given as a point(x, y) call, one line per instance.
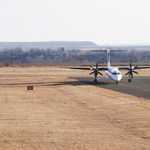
point(7, 62)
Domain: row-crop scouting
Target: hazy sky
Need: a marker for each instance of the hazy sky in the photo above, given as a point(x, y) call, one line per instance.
point(99, 21)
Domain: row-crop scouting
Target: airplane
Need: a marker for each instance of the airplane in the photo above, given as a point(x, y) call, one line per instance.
point(111, 72)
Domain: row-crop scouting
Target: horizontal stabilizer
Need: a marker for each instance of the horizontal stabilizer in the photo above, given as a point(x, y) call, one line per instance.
point(101, 50)
point(106, 50)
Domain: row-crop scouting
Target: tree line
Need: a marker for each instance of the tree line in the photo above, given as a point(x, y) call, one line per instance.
point(35, 55)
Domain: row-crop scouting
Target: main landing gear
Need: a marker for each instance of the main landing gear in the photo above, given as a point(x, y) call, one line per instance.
point(95, 80)
point(129, 80)
point(130, 76)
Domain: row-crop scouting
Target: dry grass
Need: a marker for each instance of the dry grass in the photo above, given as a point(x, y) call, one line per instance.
point(61, 113)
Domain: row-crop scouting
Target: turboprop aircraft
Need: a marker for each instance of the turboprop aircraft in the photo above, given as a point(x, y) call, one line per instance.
point(111, 72)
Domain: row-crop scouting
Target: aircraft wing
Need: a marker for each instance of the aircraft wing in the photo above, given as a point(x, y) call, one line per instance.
point(81, 68)
point(143, 67)
point(87, 68)
point(103, 69)
point(128, 68)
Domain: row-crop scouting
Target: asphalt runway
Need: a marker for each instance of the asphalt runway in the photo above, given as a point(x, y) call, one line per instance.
point(140, 85)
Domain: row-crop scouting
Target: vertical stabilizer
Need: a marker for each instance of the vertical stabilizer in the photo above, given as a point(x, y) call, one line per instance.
point(108, 58)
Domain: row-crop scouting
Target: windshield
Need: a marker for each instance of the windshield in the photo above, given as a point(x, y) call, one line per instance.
point(115, 73)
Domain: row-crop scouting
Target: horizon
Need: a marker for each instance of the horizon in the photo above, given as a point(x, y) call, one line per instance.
point(125, 44)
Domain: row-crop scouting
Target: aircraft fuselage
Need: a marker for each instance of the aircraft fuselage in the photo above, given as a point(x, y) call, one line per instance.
point(113, 73)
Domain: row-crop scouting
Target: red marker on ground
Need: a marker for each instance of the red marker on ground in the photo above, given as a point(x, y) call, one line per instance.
point(29, 87)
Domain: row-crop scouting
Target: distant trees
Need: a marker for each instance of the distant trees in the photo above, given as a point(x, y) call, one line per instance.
point(132, 56)
point(81, 57)
point(35, 55)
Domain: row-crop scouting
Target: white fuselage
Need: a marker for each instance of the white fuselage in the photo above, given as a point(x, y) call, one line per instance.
point(113, 73)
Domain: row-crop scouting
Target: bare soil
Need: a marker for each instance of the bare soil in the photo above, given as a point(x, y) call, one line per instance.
point(62, 114)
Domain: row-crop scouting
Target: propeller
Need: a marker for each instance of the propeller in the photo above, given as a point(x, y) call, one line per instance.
point(131, 71)
point(96, 72)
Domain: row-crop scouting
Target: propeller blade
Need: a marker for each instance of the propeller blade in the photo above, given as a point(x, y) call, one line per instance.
point(135, 72)
point(100, 73)
point(96, 65)
point(127, 73)
point(130, 66)
point(92, 72)
point(135, 67)
point(131, 71)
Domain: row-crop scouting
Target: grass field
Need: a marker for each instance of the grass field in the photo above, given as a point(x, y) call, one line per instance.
point(59, 114)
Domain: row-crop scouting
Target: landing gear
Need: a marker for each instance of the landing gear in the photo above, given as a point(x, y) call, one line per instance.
point(95, 80)
point(129, 80)
point(116, 82)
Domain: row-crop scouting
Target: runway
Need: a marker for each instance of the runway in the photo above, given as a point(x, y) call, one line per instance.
point(140, 85)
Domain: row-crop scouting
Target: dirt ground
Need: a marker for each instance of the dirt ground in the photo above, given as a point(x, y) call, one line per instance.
point(61, 114)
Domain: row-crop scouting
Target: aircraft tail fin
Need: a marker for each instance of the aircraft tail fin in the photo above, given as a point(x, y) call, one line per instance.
point(108, 58)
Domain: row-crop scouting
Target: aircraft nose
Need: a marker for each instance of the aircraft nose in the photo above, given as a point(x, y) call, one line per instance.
point(117, 77)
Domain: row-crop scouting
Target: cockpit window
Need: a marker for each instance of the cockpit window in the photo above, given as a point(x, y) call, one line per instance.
point(115, 73)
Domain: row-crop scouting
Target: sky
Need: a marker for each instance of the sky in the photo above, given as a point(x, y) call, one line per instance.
point(99, 21)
